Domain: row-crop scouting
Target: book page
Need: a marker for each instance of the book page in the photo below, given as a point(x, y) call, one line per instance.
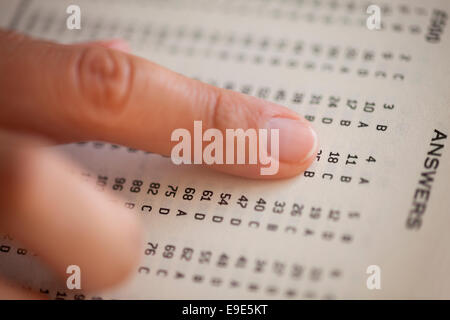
point(376, 195)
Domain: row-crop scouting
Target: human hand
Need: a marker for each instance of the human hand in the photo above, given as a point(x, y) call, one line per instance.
point(53, 93)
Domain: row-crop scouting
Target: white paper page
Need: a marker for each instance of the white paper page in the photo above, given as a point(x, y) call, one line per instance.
point(375, 99)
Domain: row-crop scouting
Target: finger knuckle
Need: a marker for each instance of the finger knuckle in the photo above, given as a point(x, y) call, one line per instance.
point(104, 80)
point(215, 106)
point(227, 109)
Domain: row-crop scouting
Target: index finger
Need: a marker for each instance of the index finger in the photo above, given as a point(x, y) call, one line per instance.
point(74, 93)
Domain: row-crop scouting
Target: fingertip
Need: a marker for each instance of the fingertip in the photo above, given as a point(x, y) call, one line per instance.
point(66, 221)
point(114, 262)
point(112, 241)
point(291, 144)
point(297, 140)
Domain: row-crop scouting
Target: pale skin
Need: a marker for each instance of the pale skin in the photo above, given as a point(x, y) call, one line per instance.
point(52, 93)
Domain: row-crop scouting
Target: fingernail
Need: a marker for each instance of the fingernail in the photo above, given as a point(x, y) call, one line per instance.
point(297, 139)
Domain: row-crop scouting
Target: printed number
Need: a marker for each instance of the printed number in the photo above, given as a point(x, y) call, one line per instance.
point(188, 194)
point(153, 188)
point(151, 250)
point(136, 186)
point(242, 201)
point(260, 205)
point(172, 192)
point(206, 195)
point(224, 197)
point(118, 184)
point(278, 207)
point(168, 251)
